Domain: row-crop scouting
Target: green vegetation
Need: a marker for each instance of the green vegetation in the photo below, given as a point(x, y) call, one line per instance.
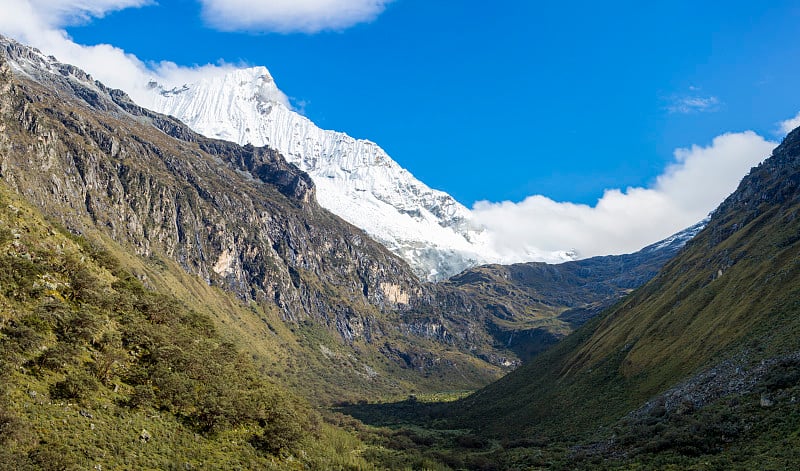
point(98, 370)
point(734, 432)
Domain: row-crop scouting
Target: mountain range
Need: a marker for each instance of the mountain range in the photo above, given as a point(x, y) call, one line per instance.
point(173, 300)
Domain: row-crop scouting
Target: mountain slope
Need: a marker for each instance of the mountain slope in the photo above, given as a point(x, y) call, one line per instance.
point(98, 371)
point(355, 178)
point(237, 218)
point(713, 329)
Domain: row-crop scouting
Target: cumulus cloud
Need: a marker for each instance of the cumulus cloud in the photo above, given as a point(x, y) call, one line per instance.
point(39, 23)
point(689, 188)
point(286, 16)
point(788, 126)
point(693, 104)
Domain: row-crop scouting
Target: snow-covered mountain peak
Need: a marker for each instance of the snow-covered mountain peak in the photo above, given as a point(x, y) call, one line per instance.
point(241, 94)
point(253, 80)
point(355, 178)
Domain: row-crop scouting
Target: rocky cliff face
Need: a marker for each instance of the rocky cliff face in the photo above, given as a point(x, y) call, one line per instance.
point(239, 217)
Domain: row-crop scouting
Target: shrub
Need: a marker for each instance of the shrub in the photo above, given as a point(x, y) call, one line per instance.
point(783, 375)
point(5, 235)
point(281, 425)
point(471, 441)
point(143, 396)
point(59, 357)
point(79, 385)
point(10, 426)
point(52, 457)
point(13, 461)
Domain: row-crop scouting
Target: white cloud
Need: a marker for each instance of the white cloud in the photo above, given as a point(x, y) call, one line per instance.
point(39, 23)
point(693, 104)
point(788, 126)
point(77, 11)
point(286, 16)
point(625, 221)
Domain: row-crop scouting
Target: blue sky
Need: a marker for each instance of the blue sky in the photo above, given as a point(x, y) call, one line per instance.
point(563, 99)
point(596, 126)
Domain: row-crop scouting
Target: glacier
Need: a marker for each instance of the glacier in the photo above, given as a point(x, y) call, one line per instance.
point(355, 178)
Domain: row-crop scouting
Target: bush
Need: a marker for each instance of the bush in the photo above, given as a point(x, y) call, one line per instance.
point(281, 425)
point(279, 434)
point(783, 375)
point(5, 235)
point(18, 277)
point(471, 441)
point(14, 461)
point(21, 338)
point(78, 385)
point(84, 286)
point(53, 457)
point(59, 357)
point(483, 463)
point(11, 427)
point(143, 396)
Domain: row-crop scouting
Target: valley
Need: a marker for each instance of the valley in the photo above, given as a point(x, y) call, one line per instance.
point(173, 300)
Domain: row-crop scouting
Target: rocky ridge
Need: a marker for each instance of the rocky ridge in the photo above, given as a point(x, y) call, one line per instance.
point(706, 349)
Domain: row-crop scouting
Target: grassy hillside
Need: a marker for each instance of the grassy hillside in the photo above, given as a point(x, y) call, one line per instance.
point(731, 297)
point(100, 370)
